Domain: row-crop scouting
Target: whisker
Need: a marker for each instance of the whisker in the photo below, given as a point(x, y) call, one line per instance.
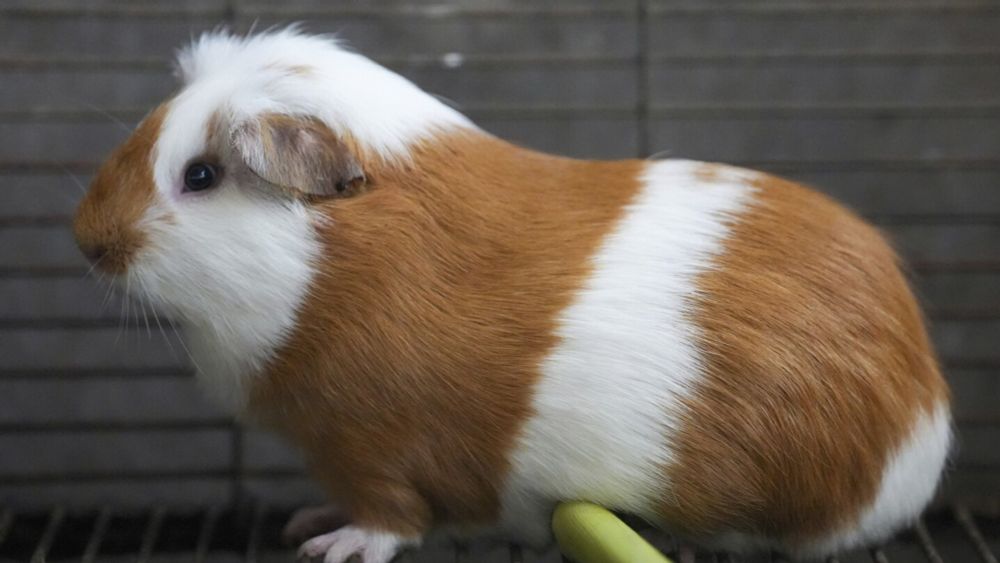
point(104, 113)
point(73, 177)
point(166, 337)
point(121, 124)
point(145, 319)
point(163, 332)
point(125, 307)
point(107, 295)
point(180, 341)
point(135, 307)
point(121, 320)
point(135, 313)
point(92, 266)
point(103, 281)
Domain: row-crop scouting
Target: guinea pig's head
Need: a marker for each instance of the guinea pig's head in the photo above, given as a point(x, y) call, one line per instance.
point(209, 209)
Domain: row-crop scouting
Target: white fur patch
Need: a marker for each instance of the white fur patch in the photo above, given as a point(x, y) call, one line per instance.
point(233, 264)
point(911, 476)
point(235, 269)
point(608, 403)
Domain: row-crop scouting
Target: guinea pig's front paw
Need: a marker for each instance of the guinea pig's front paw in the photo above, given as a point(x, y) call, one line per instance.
point(312, 521)
point(370, 545)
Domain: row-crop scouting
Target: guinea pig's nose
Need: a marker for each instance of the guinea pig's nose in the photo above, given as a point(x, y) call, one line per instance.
point(94, 251)
point(108, 245)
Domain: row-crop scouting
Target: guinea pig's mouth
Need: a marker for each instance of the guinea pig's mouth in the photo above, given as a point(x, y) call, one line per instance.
point(137, 307)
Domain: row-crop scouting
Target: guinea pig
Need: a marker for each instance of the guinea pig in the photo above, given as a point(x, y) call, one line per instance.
point(459, 332)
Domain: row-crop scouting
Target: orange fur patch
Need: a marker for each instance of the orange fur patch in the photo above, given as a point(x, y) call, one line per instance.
point(122, 189)
point(412, 365)
point(818, 365)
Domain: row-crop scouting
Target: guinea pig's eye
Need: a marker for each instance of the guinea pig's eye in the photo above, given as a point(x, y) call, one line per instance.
point(200, 176)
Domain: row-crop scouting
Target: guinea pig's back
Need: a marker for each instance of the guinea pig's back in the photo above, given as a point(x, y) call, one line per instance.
point(819, 420)
point(746, 365)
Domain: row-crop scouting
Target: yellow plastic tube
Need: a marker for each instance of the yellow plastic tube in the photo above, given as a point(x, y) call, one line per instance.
point(587, 533)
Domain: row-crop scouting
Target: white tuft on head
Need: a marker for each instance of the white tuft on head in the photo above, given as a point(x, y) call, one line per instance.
point(286, 71)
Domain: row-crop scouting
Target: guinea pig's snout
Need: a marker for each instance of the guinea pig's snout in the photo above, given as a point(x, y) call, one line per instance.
point(108, 222)
point(107, 243)
point(94, 251)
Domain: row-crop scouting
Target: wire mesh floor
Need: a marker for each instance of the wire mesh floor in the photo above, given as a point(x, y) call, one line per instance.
point(955, 534)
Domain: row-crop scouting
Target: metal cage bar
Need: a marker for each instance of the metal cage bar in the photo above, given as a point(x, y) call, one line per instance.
point(97, 535)
point(48, 536)
point(249, 532)
point(968, 524)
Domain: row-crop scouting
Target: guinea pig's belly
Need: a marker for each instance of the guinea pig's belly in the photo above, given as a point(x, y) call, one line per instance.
point(719, 376)
point(606, 467)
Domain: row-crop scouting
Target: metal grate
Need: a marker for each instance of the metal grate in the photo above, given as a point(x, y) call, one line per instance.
point(251, 534)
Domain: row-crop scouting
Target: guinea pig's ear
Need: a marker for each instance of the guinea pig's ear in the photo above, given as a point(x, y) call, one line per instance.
point(300, 154)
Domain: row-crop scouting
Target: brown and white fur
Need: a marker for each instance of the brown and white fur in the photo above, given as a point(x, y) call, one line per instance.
point(460, 332)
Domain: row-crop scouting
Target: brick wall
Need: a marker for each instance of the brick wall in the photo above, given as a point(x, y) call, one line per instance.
point(891, 106)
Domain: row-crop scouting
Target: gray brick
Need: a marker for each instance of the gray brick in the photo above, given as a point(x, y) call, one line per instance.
point(285, 491)
point(521, 85)
point(792, 8)
point(584, 138)
point(110, 452)
point(775, 83)
point(966, 290)
point(967, 339)
point(47, 142)
point(39, 247)
point(84, 88)
point(948, 243)
point(40, 195)
point(88, 349)
point(532, 34)
point(970, 484)
point(59, 298)
point(715, 32)
point(266, 450)
point(73, 35)
point(974, 394)
point(177, 492)
point(162, 399)
point(173, 5)
point(826, 139)
point(388, 6)
point(901, 192)
point(977, 445)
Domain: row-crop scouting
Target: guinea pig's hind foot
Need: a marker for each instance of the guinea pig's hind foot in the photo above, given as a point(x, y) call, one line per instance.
point(370, 545)
point(685, 553)
point(312, 521)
